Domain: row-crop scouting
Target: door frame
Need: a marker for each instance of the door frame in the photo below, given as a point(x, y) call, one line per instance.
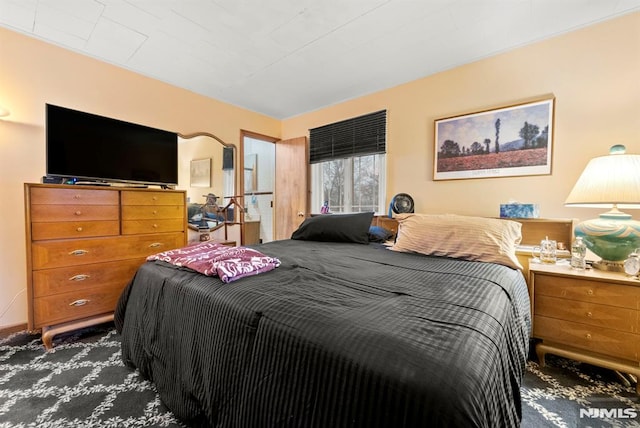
point(257, 136)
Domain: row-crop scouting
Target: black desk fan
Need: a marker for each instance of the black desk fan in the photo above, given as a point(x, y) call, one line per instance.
point(401, 203)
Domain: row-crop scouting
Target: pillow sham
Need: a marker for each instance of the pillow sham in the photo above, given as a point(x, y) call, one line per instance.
point(335, 228)
point(464, 237)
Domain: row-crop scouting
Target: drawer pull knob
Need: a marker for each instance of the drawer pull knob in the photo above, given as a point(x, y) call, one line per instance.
point(155, 245)
point(155, 212)
point(590, 292)
point(79, 229)
point(78, 212)
point(76, 196)
point(588, 336)
point(78, 252)
point(155, 198)
point(155, 226)
point(589, 314)
point(79, 277)
point(79, 302)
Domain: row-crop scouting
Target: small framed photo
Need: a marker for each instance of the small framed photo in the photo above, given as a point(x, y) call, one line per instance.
point(510, 141)
point(201, 172)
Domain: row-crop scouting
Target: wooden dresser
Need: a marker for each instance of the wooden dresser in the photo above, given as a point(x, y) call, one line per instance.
point(84, 243)
point(591, 316)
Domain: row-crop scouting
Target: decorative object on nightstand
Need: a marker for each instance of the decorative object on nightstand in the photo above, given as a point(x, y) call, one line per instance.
point(632, 263)
point(578, 254)
point(611, 181)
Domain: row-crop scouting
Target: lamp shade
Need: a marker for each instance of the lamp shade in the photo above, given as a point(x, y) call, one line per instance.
point(608, 181)
point(611, 181)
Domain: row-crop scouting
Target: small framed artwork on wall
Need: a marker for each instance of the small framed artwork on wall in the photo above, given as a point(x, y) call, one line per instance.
point(201, 172)
point(510, 141)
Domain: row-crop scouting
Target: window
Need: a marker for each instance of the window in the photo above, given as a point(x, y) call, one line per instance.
point(348, 165)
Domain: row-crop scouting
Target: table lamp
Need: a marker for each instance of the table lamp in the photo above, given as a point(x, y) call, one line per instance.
point(613, 182)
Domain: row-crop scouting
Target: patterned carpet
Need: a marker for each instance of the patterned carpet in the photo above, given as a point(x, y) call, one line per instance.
point(83, 383)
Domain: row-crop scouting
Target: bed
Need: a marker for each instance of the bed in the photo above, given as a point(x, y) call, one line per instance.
point(341, 334)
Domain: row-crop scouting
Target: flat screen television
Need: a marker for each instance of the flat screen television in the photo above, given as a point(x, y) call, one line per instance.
point(87, 147)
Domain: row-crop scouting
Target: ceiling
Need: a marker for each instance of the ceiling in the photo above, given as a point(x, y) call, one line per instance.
point(286, 57)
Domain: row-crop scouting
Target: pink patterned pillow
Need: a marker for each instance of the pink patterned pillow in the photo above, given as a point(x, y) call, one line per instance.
point(212, 258)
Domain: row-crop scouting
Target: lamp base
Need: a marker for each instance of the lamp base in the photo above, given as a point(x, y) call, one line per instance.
point(612, 236)
point(608, 265)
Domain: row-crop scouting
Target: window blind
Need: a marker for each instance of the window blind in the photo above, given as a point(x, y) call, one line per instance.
point(362, 135)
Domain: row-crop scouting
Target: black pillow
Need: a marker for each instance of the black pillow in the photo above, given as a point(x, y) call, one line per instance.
point(336, 228)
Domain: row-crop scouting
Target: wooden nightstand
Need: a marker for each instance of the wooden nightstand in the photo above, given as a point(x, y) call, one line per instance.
point(590, 316)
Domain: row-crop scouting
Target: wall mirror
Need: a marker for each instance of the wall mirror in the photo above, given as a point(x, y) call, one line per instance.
point(207, 172)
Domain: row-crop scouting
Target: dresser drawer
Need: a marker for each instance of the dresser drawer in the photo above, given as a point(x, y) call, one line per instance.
point(147, 212)
point(133, 227)
point(75, 229)
point(70, 279)
point(621, 319)
point(61, 253)
point(74, 305)
point(596, 339)
point(152, 198)
point(72, 196)
point(585, 290)
point(54, 213)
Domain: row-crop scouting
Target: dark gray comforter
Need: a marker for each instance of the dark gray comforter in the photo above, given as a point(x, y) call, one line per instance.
point(339, 335)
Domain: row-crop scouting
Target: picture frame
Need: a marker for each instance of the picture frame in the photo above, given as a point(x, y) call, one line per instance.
point(515, 140)
point(200, 172)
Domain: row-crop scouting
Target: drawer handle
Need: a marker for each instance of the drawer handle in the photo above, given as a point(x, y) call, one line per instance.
point(588, 336)
point(590, 292)
point(79, 277)
point(79, 229)
point(155, 226)
point(155, 198)
point(78, 213)
point(77, 196)
point(78, 252)
point(589, 314)
point(155, 212)
point(79, 302)
point(155, 245)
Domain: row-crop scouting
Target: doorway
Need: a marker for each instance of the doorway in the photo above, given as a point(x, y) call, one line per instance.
point(259, 153)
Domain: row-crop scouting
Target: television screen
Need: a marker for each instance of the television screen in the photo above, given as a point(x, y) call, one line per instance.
point(90, 147)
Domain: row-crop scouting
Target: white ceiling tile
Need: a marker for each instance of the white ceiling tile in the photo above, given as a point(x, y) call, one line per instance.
point(286, 57)
point(113, 41)
point(58, 37)
point(18, 14)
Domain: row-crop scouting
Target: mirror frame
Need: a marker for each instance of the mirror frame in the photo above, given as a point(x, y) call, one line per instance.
point(225, 144)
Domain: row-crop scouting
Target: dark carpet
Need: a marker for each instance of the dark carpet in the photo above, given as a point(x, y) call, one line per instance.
point(83, 383)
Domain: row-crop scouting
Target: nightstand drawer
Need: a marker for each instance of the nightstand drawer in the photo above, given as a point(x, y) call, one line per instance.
point(586, 290)
point(596, 339)
point(621, 319)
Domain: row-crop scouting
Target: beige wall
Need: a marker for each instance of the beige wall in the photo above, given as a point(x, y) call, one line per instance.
point(594, 74)
point(33, 73)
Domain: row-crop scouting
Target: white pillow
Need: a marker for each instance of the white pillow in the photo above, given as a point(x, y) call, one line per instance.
point(464, 237)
